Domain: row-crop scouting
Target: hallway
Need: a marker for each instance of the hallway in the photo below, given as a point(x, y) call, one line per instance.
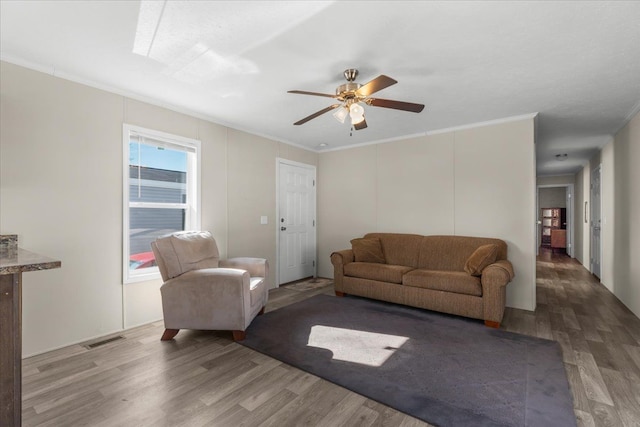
point(600, 340)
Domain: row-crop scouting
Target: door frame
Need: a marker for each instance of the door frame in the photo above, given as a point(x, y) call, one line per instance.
point(313, 168)
point(600, 252)
point(569, 195)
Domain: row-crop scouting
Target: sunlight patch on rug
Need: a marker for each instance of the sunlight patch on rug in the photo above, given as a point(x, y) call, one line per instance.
point(349, 345)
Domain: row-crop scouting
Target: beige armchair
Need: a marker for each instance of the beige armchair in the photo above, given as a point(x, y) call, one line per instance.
point(201, 291)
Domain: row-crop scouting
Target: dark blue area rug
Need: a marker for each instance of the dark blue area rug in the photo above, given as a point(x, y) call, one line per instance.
point(445, 370)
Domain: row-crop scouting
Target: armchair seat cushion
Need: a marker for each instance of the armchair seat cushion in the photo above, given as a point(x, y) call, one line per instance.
point(450, 281)
point(375, 271)
point(256, 291)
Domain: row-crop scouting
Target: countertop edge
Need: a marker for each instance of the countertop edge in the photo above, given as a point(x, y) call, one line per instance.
point(19, 260)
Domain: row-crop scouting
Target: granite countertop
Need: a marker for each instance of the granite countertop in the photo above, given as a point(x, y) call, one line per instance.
point(16, 260)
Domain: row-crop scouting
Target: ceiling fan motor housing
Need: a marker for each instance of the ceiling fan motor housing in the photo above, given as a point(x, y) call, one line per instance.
point(348, 90)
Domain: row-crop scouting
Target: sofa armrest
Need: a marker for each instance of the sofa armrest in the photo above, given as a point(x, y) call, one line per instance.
point(500, 271)
point(342, 257)
point(211, 298)
point(257, 267)
point(339, 259)
point(494, 279)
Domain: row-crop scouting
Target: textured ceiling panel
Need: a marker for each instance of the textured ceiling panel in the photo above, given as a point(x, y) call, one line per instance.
point(575, 63)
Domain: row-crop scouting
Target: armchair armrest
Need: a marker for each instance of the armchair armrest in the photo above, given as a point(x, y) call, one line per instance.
point(199, 299)
point(257, 267)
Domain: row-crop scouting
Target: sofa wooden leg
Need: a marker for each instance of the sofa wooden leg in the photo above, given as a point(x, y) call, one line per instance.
point(340, 294)
point(239, 335)
point(169, 334)
point(261, 312)
point(492, 324)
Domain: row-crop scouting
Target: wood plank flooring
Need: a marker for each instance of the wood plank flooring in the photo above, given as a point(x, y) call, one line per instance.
point(203, 378)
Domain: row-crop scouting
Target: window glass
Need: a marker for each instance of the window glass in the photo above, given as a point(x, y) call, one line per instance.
point(161, 195)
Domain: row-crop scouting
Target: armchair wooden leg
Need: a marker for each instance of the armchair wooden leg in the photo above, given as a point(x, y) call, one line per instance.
point(169, 334)
point(492, 324)
point(239, 335)
point(261, 312)
point(340, 294)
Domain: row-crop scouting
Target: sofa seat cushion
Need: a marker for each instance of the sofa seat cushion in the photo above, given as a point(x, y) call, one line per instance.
point(458, 282)
point(374, 271)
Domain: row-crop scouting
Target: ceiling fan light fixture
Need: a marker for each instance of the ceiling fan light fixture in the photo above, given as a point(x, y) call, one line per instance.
point(561, 157)
point(341, 114)
point(356, 111)
point(357, 119)
point(352, 96)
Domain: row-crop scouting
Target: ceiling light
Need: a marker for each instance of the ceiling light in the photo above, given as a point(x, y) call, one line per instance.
point(341, 114)
point(561, 157)
point(357, 119)
point(357, 113)
point(324, 144)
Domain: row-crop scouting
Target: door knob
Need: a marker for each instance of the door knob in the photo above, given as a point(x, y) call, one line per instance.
point(283, 228)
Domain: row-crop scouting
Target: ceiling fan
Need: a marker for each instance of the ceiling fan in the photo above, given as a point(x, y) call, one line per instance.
point(351, 95)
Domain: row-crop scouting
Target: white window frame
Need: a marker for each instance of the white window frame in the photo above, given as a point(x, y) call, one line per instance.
point(192, 205)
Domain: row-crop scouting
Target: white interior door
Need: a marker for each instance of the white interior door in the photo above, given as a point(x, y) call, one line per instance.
point(595, 222)
point(296, 222)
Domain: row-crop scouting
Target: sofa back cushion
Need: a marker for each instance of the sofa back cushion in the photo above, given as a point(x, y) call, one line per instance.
point(368, 250)
point(450, 253)
point(480, 259)
point(400, 249)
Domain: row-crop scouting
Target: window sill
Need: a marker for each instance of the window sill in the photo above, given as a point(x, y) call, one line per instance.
point(143, 277)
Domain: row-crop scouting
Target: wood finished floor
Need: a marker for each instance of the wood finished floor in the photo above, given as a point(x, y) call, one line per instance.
point(203, 378)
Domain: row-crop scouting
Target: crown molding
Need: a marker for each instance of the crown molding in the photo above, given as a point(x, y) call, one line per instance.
point(436, 132)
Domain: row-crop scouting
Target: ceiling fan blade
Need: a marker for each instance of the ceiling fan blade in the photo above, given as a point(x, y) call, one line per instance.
point(316, 114)
point(361, 125)
point(375, 85)
point(304, 92)
point(396, 105)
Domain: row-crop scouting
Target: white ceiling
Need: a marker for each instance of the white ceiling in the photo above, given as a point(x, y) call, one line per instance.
point(577, 64)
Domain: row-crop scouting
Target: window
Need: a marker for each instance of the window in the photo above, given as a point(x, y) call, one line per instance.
point(161, 194)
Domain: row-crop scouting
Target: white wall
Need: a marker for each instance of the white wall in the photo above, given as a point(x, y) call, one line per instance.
point(608, 216)
point(61, 192)
point(251, 164)
point(620, 176)
point(626, 214)
point(586, 229)
point(478, 182)
point(579, 216)
point(552, 197)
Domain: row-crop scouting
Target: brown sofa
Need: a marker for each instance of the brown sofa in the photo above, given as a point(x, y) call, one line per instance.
point(466, 276)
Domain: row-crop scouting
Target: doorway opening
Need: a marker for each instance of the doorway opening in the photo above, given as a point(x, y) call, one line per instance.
point(555, 215)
